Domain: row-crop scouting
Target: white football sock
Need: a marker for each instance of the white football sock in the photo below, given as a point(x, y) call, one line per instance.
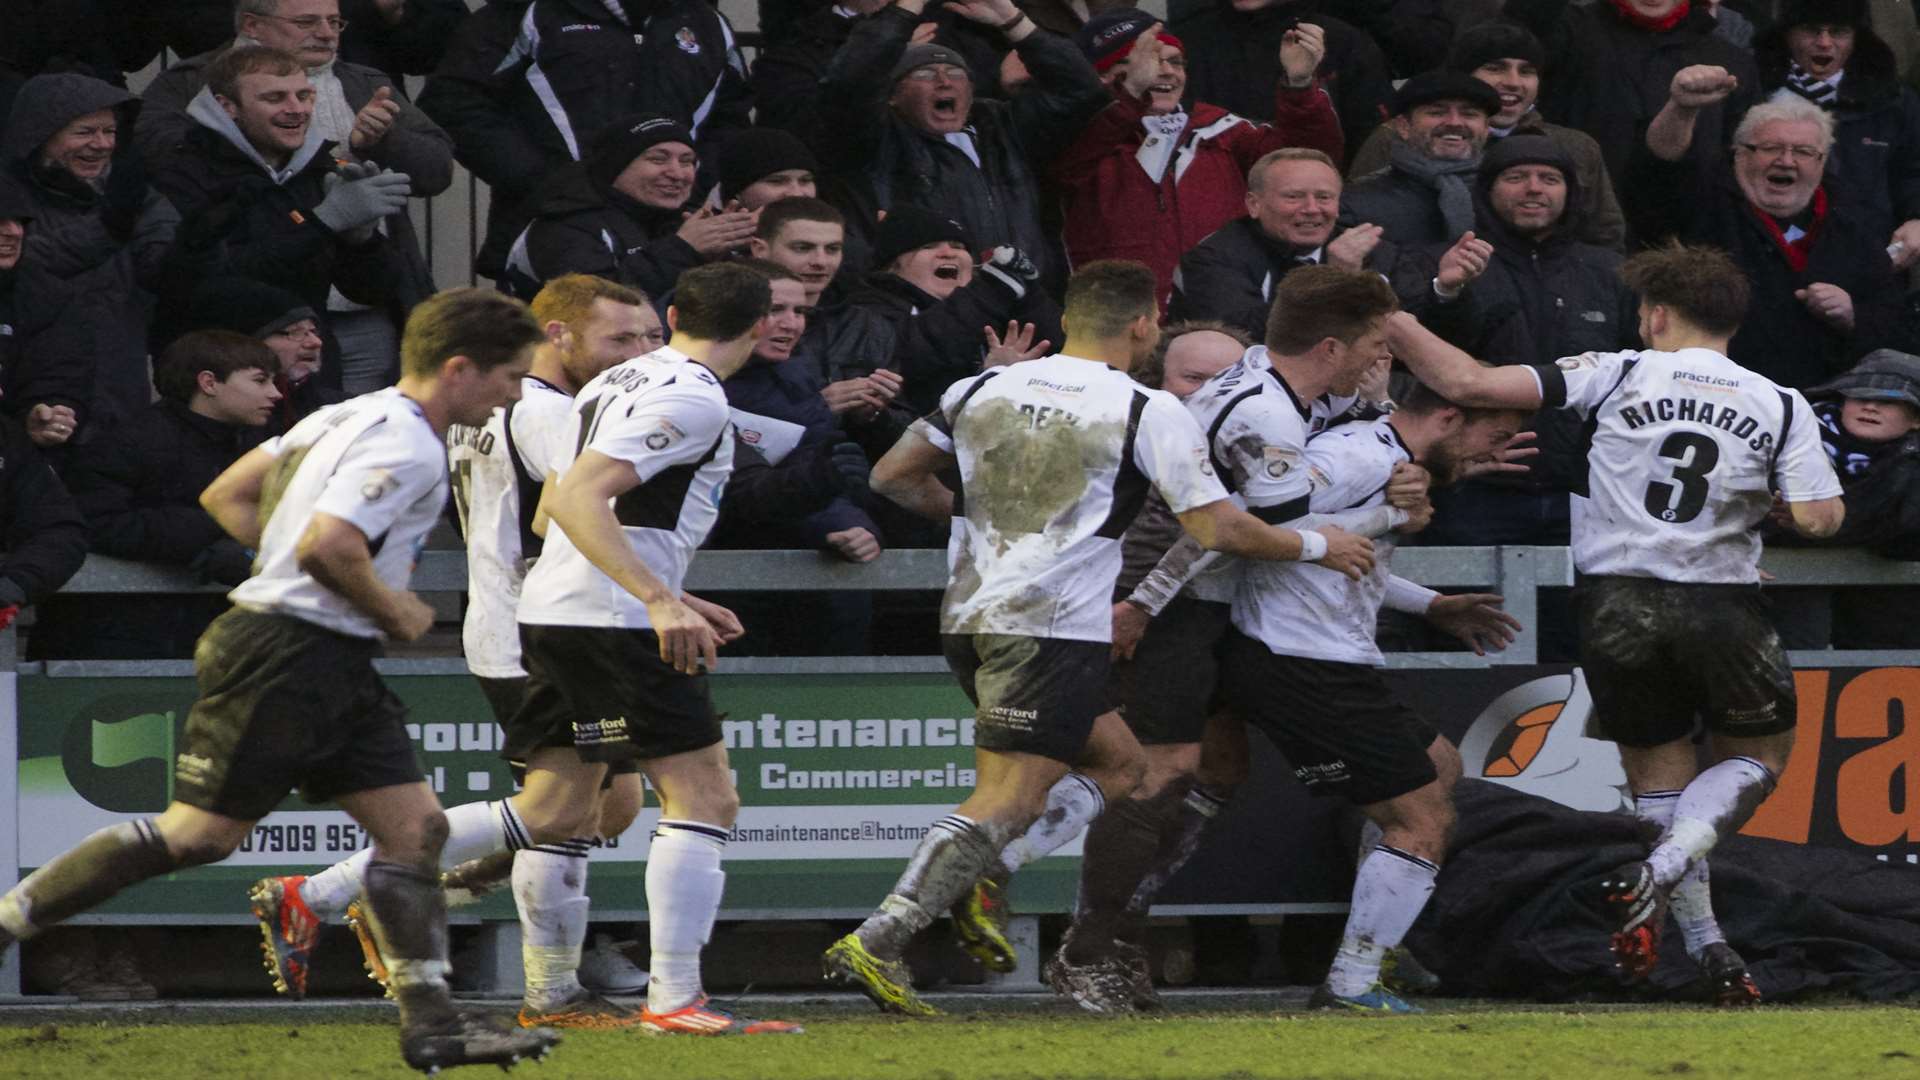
point(1713, 806)
point(1388, 894)
point(684, 885)
point(1692, 896)
point(1072, 803)
point(473, 830)
point(550, 889)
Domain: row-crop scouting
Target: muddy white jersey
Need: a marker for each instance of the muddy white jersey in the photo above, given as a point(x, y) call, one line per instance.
point(1301, 609)
point(1257, 430)
point(665, 415)
point(1686, 450)
point(1056, 456)
point(372, 461)
point(497, 471)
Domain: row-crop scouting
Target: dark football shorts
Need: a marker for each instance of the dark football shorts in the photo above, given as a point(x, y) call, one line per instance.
point(1658, 654)
point(504, 697)
point(1339, 725)
point(1171, 685)
point(606, 693)
point(286, 704)
point(1031, 695)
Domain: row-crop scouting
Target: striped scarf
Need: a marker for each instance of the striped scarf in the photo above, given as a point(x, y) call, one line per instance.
point(1822, 92)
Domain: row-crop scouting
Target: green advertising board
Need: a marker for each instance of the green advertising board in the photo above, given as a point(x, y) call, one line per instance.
point(839, 776)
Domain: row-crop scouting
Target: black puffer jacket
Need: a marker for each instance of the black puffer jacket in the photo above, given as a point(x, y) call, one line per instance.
point(93, 253)
point(936, 343)
point(43, 539)
point(1702, 204)
point(1608, 77)
point(574, 226)
point(525, 86)
point(1231, 275)
point(884, 161)
point(1876, 144)
point(1538, 300)
point(1233, 61)
point(237, 219)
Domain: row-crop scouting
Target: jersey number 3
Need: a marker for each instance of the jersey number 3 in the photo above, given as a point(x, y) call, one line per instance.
point(1694, 455)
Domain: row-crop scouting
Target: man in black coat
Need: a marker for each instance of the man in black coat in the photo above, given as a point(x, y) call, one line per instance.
point(260, 196)
point(1426, 195)
point(1828, 53)
point(139, 488)
point(1523, 290)
point(1293, 204)
point(1233, 53)
point(1824, 292)
point(43, 539)
point(908, 129)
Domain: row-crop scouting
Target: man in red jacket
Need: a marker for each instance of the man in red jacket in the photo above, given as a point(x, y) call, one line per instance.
point(1148, 179)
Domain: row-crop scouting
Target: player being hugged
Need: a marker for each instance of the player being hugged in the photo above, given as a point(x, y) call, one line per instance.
point(338, 509)
point(1686, 452)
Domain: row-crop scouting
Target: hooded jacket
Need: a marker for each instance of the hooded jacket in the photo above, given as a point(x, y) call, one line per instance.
point(1233, 60)
point(886, 161)
point(1116, 208)
point(1876, 139)
point(574, 226)
point(525, 86)
point(1540, 298)
point(1700, 202)
point(1601, 223)
point(242, 216)
point(93, 253)
point(1608, 77)
point(1231, 275)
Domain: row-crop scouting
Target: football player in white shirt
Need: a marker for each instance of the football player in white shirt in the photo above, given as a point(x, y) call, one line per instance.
point(1688, 450)
point(498, 469)
point(1301, 665)
point(338, 509)
point(1055, 456)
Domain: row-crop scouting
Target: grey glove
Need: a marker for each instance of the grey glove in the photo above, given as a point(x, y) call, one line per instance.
point(355, 204)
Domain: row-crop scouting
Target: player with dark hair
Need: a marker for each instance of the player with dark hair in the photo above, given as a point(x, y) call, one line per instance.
point(1685, 454)
point(337, 509)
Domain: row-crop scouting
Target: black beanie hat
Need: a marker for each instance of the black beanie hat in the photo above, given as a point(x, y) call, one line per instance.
point(613, 149)
point(1443, 84)
point(909, 228)
point(919, 56)
point(244, 306)
point(1495, 39)
point(1514, 150)
point(1823, 12)
point(756, 153)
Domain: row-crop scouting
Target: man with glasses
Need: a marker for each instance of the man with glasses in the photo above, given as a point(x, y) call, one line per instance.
point(1824, 292)
point(367, 118)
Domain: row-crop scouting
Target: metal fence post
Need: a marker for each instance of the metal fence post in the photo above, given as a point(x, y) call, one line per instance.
point(1520, 583)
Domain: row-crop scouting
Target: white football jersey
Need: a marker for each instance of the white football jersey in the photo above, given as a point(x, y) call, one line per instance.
point(497, 474)
point(1686, 451)
point(374, 462)
point(666, 415)
point(1300, 609)
point(1056, 456)
point(1257, 430)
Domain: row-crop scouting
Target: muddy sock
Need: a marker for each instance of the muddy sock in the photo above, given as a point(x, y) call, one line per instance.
point(950, 858)
point(1122, 849)
point(467, 883)
point(1712, 807)
point(1388, 894)
point(88, 874)
point(1072, 802)
point(550, 890)
point(408, 915)
point(1692, 895)
point(1197, 813)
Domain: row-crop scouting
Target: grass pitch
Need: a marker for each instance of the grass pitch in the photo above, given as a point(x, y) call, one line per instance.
point(1014, 1038)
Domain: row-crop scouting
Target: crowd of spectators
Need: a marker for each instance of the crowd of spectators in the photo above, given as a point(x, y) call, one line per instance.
point(189, 266)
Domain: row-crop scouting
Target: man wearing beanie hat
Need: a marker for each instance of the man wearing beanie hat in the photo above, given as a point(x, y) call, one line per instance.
point(1824, 290)
point(924, 305)
point(1507, 57)
point(617, 214)
point(1828, 53)
point(1612, 60)
point(1147, 179)
point(285, 324)
point(1522, 289)
point(901, 126)
point(759, 165)
point(1425, 196)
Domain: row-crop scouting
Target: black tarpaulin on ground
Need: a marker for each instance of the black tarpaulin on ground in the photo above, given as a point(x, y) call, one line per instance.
point(1517, 911)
